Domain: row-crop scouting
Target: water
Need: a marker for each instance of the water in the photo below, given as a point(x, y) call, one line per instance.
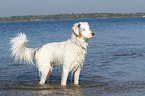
point(114, 64)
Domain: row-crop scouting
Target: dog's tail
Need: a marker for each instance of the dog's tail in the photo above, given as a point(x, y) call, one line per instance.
point(19, 50)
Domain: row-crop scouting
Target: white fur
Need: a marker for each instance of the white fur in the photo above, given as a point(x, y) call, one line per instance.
point(69, 54)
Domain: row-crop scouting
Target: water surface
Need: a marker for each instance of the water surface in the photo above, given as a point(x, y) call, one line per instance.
point(114, 64)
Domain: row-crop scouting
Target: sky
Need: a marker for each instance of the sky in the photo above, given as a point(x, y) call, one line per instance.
point(47, 7)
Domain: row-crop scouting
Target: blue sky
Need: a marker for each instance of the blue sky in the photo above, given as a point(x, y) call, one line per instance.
point(46, 7)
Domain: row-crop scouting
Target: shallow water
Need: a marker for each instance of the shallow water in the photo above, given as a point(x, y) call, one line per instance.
point(114, 64)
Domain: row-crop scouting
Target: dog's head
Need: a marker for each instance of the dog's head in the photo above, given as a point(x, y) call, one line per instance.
point(82, 29)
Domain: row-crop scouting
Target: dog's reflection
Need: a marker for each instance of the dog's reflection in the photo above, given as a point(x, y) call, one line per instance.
point(47, 89)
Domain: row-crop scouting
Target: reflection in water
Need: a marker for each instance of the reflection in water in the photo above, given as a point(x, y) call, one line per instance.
point(47, 89)
point(60, 90)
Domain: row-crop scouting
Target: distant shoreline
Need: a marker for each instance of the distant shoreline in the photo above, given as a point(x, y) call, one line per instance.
point(70, 16)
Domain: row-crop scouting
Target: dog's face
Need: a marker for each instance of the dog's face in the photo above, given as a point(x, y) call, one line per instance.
point(82, 29)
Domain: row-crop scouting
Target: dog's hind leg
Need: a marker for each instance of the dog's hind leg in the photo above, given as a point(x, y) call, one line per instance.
point(45, 73)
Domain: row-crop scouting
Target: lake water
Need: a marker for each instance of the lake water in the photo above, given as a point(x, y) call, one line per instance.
point(114, 64)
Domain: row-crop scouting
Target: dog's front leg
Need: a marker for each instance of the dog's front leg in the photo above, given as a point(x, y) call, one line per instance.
point(64, 76)
point(76, 76)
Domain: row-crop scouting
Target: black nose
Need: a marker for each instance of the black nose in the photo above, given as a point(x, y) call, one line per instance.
point(93, 34)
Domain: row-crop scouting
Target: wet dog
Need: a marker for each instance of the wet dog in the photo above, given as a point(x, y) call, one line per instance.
point(69, 54)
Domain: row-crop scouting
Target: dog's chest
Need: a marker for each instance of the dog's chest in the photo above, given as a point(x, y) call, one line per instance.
point(76, 58)
point(76, 53)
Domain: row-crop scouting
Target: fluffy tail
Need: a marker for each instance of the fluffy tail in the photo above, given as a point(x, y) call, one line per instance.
point(19, 50)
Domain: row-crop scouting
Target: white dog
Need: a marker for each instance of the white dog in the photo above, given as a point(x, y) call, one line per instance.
point(69, 54)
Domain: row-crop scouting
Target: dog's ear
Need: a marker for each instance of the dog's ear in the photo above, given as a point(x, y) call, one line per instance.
point(76, 28)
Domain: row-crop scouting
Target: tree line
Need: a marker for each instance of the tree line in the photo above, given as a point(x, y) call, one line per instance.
point(70, 16)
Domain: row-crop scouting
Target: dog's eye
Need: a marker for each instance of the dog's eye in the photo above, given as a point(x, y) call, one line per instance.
point(83, 29)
